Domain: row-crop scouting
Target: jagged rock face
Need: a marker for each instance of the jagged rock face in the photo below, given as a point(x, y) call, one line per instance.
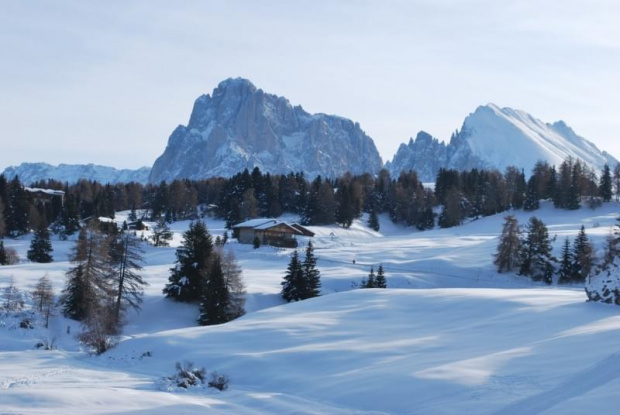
point(240, 126)
point(71, 173)
point(426, 155)
point(495, 138)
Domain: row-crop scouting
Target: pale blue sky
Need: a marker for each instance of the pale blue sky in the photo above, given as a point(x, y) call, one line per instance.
point(107, 82)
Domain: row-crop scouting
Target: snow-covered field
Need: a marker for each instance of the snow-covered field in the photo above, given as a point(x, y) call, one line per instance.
point(449, 336)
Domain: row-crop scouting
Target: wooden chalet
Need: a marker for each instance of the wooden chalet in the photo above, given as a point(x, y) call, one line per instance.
point(270, 232)
point(45, 195)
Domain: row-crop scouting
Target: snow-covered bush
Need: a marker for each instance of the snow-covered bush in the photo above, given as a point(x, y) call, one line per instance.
point(218, 381)
point(189, 376)
point(604, 284)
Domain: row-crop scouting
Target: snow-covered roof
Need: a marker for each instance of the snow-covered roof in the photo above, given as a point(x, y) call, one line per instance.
point(253, 223)
point(51, 192)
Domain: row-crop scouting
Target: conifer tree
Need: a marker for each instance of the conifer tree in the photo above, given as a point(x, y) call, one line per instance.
point(293, 286)
point(4, 260)
point(193, 261)
point(380, 281)
point(508, 256)
point(162, 235)
point(41, 246)
point(16, 215)
point(88, 288)
point(583, 257)
point(532, 198)
point(605, 185)
point(126, 257)
point(373, 220)
point(2, 222)
point(536, 258)
point(311, 275)
point(41, 292)
point(566, 264)
point(616, 181)
point(371, 281)
point(234, 283)
point(215, 299)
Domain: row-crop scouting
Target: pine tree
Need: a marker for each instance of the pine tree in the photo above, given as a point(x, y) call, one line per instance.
point(4, 260)
point(311, 275)
point(574, 194)
point(162, 235)
point(583, 257)
point(536, 258)
point(40, 246)
point(215, 299)
point(371, 281)
point(88, 288)
point(256, 242)
point(293, 286)
point(126, 256)
point(373, 220)
point(508, 253)
point(605, 185)
point(234, 283)
point(381, 282)
point(193, 261)
point(566, 264)
point(532, 198)
point(2, 221)
point(16, 215)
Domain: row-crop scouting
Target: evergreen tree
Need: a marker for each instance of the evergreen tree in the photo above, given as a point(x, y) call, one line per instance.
point(126, 256)
point(162, 235)
point(508, 253)
point(380, 281)
point(371, 281)
point(193, 261)
point(87, 290)
point(215, 299)
point(532, 198)
point(311, 275)
point(4, 260)
point(566, 264)
point(573, 201)
point(293, 286)
point(617, 181)
point(2, 222)
point(16, 215)
point(234, 283)
point(536, 258)
point(256, 242)
point(41, 246)
point(583, 257)
point(373, 220)
point(605, 185)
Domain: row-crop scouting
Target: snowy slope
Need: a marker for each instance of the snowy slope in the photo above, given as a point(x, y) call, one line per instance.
point(467, 340)
point(494, 137)
point(32, 172)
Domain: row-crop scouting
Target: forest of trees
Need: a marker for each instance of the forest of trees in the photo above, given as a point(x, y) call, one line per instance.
point(457, 197)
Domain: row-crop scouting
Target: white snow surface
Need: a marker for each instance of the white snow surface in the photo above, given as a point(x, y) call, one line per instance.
point(449, 335)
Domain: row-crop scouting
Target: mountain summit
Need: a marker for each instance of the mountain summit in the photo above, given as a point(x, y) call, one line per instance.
point(239, 126)
point(494, 137)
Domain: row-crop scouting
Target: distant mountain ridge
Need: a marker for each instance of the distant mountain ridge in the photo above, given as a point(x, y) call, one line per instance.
point(33, 172)
point(494, 137)
point(239, 126)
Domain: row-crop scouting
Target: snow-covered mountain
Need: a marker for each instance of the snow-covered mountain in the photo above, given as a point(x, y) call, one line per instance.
point(494, 137)
point(239, 126)
point(32, 172)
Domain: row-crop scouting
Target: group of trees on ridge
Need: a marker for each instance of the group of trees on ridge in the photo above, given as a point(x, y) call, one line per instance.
point(459, 195)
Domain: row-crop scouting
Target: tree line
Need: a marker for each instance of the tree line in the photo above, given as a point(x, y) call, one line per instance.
point(457, 196)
